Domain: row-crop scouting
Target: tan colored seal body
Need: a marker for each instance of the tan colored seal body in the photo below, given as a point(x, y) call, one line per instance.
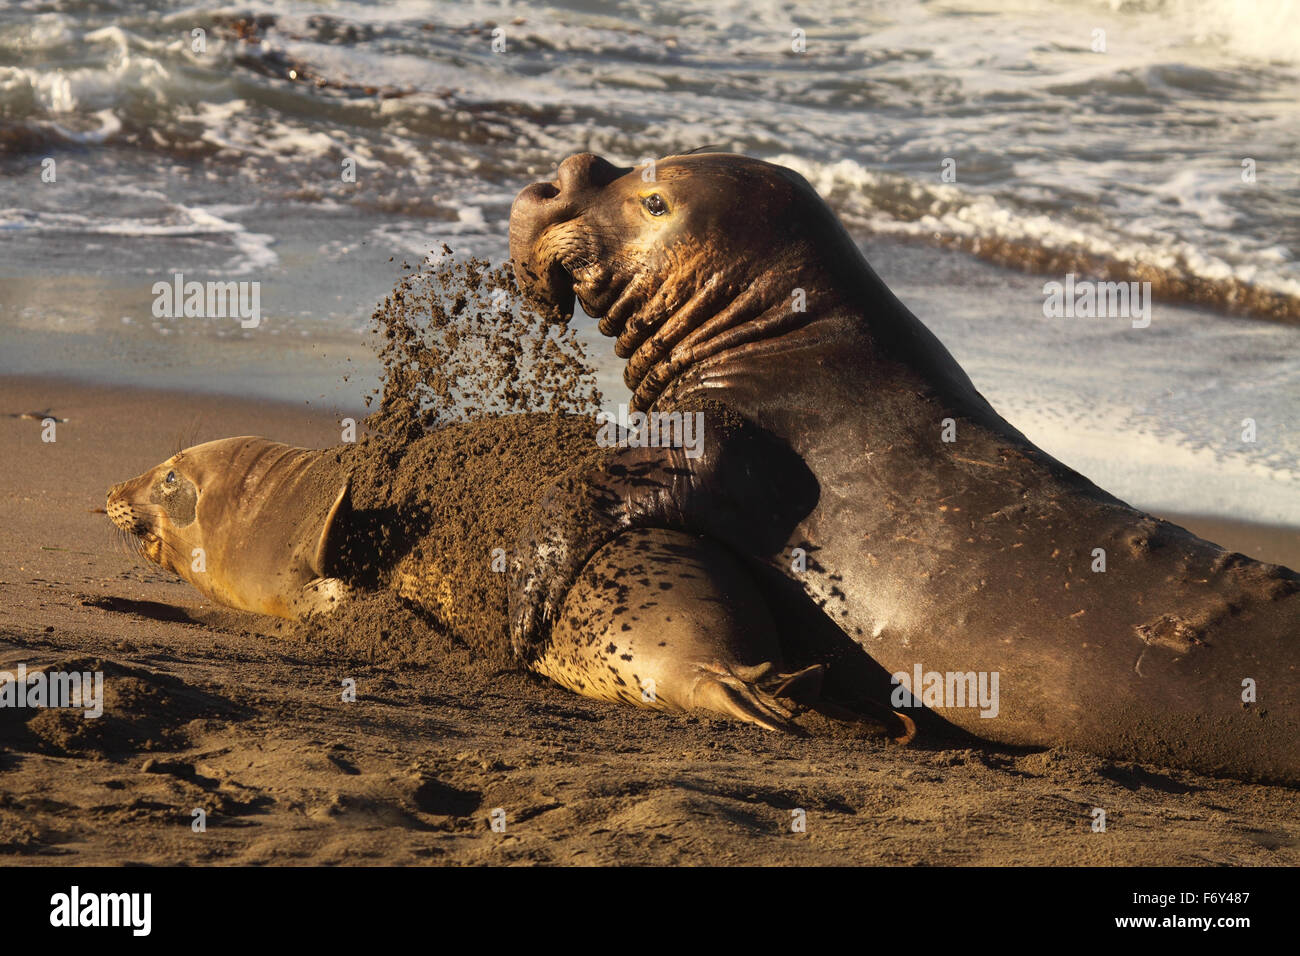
point(261, 526)
point(253, 524)
point(674, 622)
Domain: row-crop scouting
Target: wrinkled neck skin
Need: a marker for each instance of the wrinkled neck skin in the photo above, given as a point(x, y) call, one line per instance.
point(980, 553)
point(801, 296)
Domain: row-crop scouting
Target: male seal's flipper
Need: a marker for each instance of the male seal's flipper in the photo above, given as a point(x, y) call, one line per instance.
point(675, 622)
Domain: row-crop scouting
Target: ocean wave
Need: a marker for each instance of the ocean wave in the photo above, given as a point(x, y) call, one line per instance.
point(1122, 165)
point(1000, 230)
point(250, 251)
point(1263, 29)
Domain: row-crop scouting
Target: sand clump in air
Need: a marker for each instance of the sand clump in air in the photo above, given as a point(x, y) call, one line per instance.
point(483, 406)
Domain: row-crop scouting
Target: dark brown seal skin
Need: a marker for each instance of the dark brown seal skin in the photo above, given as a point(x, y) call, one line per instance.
point(824, 432)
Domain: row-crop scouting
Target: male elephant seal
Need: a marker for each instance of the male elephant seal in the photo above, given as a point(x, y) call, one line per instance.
point(731, 287)
point(269, 528)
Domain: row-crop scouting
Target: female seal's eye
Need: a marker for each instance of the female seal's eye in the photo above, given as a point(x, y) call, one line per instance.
point(171, 478)
point(655, 205)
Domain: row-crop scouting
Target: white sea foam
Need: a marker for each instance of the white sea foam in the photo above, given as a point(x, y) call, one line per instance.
point(948, 210)
point(252, 250)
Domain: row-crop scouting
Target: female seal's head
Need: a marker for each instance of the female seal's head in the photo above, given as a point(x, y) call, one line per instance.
point(253, 524)
point(157, 508)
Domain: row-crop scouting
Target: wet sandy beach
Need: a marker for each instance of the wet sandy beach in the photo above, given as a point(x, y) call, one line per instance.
point(231, 714)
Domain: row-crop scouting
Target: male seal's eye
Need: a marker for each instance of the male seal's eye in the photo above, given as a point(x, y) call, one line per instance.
point(655, 205)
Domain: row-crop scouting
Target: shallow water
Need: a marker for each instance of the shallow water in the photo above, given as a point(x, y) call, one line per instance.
point(226, 163)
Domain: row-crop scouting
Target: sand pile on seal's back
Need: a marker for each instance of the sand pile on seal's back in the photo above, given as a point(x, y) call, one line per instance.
point(446, 514)
point(484, 405)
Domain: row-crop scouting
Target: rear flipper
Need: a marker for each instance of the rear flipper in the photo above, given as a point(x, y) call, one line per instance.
point(672, 621)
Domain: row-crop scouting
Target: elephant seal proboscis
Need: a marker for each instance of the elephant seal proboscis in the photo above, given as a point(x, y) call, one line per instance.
point(727, 282)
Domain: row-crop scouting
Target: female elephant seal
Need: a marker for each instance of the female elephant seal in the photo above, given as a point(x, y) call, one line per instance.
point(253, 524)
point(269, 528)
point(973, 564)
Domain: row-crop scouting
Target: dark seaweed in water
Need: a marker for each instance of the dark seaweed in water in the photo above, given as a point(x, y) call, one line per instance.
point(484, 406)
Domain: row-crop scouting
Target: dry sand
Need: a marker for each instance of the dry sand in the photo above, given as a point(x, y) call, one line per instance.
point(217, 710)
